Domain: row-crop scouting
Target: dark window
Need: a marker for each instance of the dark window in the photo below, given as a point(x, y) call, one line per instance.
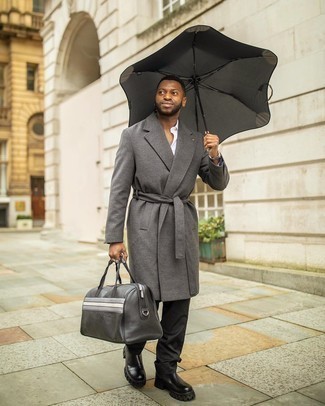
point(3, 215)
point(38, 6)
point(38, 128)
point(32, 76)
point(2, 85)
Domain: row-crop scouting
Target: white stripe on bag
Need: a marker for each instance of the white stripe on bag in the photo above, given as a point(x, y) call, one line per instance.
point(96, 304)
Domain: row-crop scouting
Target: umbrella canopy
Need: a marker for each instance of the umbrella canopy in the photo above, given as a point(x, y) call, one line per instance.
point(226, 81)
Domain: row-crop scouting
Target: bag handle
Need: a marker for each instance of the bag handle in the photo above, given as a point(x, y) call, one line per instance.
point(122, 260)
point(118, 279)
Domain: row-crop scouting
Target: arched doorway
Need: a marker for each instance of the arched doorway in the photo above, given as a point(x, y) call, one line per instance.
point(79, 114)
point(80, 57)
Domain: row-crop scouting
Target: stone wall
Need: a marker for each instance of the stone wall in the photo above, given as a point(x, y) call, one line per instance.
point(274, 204)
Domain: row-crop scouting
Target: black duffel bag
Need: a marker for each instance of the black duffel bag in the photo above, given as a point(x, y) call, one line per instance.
point(120, 313)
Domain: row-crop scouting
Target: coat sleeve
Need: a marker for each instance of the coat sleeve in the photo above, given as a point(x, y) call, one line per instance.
point(217, 177)
point(122, 179)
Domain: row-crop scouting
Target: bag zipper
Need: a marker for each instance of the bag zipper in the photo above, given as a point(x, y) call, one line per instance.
point(143, 307)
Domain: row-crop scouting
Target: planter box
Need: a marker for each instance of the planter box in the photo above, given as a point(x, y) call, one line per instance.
point(24, 224)
point(214, 251)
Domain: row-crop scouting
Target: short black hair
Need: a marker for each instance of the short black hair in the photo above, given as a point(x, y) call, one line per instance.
point(175, 78)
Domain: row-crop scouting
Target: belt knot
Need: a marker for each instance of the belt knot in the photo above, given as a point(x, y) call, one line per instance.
point(178, 204)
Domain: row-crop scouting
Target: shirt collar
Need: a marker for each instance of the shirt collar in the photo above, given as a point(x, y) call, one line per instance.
point(174, 129)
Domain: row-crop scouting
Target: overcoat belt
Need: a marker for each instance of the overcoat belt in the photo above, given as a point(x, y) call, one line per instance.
point(165, 201)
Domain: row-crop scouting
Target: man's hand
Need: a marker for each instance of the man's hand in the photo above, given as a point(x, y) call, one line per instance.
point(211, 144)
point(117, 251)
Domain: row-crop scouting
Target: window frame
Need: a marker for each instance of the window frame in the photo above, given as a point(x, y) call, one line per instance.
point(32, 67)
point(37, 118)
point(201, 193)
point(170, 7)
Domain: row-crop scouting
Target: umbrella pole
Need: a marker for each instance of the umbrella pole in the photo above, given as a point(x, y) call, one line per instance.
point(196, 87)
point(197, 93)
point(196, 113)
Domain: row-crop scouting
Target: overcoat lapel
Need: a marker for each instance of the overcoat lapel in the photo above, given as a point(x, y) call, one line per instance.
point(186, 145)
point(155, 136)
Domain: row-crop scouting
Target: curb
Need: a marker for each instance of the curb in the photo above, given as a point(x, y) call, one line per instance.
point(16, 230)
point(303, 281)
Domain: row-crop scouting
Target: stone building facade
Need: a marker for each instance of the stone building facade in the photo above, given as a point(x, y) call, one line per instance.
point(274, 204)
point(21, 112)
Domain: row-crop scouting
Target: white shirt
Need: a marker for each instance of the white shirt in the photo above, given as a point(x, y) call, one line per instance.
point(174, 131)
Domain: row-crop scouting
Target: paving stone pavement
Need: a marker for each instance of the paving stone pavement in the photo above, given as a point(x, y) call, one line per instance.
point(247, 343)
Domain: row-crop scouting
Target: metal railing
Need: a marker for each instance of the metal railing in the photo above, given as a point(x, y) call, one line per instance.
point(37, 21)
point(20, 18)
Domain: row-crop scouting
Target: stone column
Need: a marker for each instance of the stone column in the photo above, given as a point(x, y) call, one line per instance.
point(51, 130)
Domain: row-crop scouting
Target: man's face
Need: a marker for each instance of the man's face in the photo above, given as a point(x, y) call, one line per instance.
point(170, 98)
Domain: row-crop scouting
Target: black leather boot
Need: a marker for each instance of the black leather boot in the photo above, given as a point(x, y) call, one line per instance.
point(177, 388)
point(134, 371)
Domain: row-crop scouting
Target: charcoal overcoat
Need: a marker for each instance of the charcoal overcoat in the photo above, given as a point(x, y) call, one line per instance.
point(162, 224)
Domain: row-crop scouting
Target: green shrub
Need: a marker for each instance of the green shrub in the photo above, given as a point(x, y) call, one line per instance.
point(24, 217)
point(211, 229)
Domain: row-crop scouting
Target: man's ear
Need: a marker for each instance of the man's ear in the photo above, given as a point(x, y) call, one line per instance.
point(184, 101)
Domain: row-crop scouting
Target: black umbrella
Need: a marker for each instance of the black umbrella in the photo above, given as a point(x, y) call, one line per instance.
point(226, 81)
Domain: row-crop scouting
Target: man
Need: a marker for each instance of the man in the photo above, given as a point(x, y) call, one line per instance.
point(160, 159)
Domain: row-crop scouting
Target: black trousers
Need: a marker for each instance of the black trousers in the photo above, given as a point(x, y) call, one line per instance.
point(170, 345)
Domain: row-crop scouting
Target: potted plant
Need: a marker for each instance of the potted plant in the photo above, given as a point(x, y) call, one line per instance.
point(24, 222)
point(212, 240)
